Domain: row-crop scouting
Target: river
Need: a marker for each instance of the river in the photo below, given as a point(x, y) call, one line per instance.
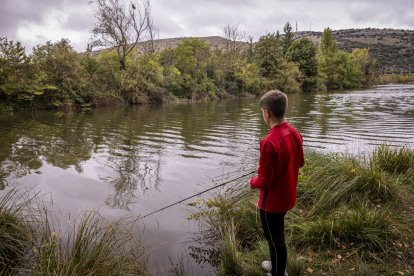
point(130, 161)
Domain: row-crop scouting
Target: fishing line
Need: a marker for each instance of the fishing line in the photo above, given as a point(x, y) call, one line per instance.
point(200, 193)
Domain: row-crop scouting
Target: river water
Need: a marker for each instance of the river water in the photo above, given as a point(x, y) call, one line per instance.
point(131, 161)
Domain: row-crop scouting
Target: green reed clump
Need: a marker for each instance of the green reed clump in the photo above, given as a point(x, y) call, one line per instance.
point(394, 160)
point(15, 230)
point(230, 263)
point(343, 180)
point(363, 226)
point(92, 247)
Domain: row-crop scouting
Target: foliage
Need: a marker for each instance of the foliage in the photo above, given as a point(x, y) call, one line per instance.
point(367, 65)
point(269, 55)
point(303, 52)
point(59, 67)
point(19, 81)
point(339, 70)
point(288, 37)
point(55, 76)
point(328, 42)
point(276, 71)
point(150, 68)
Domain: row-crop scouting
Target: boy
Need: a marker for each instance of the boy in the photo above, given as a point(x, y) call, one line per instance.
point(281, 156)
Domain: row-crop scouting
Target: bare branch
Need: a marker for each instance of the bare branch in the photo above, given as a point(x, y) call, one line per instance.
point(233, 36)
point(122, 26)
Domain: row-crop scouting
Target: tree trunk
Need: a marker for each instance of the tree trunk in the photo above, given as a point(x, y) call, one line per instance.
point(122, 64)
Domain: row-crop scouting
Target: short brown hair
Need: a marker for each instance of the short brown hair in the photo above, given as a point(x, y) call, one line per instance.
point(276, 102)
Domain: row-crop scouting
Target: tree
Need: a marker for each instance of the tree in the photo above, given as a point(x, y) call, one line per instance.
point(269, 55)
point(190, 57)
point(278, 73)
point(60, 69)
point(233, 36)
point(121, 26)
point(330, 68)
point(303, 53)
point(288, 37)
point(19, 81)
point(367, 65)
point(328, 42)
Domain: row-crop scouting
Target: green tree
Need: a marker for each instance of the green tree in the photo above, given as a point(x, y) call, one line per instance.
point(190, 57)
point(288, 37)
point(331, 63)
point(269, 55)
point(60, 67)
point(328, 42)
point(367, 65)
point(291, 79)
point(278, 73)
point(19, 81)
point(186, 67)
point(150, 68)
point(303, 53)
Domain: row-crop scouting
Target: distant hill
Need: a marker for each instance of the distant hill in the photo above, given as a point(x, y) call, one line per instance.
point(393, 49)
point(214, 42)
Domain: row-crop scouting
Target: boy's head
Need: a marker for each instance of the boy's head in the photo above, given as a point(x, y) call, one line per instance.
point(274, 105)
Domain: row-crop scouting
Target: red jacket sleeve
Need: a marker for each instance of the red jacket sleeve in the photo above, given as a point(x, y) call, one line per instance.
point(267, 164)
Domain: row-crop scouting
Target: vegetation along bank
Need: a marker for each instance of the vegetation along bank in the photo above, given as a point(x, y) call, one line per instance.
point(54, 75)
point(354, 216)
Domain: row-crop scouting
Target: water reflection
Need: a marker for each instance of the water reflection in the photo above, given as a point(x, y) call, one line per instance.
point(137, 151)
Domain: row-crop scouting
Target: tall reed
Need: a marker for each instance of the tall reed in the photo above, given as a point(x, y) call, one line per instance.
point(16, 232)
point(92, 246)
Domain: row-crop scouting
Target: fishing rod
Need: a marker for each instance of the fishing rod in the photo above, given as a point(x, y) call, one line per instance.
point(200, 193)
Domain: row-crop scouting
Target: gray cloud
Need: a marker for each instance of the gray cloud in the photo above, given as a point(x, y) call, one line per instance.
point(34, 22)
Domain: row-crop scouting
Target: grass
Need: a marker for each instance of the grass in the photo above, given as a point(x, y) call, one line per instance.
point(93, 246)
point(90, 246)
point(354, 216)
point(15, 231)
point(394, 161)
point(394, 78)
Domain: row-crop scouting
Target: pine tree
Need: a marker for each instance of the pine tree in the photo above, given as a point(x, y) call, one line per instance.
point(288, 37)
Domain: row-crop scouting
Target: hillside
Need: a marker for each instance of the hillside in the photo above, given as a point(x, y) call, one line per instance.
point(393, 49)
point(214, 42)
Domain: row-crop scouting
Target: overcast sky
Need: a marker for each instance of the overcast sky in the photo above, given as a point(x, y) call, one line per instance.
point(36, 21)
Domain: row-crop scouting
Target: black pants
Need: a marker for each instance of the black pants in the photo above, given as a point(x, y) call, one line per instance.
point(274, 231)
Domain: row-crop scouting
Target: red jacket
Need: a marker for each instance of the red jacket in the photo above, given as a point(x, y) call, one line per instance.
point(281, 156)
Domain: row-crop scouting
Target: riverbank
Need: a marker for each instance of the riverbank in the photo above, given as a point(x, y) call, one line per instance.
point(353, 216)
point(55, 76)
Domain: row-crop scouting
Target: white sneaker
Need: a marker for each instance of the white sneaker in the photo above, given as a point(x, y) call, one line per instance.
point(267, 266)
